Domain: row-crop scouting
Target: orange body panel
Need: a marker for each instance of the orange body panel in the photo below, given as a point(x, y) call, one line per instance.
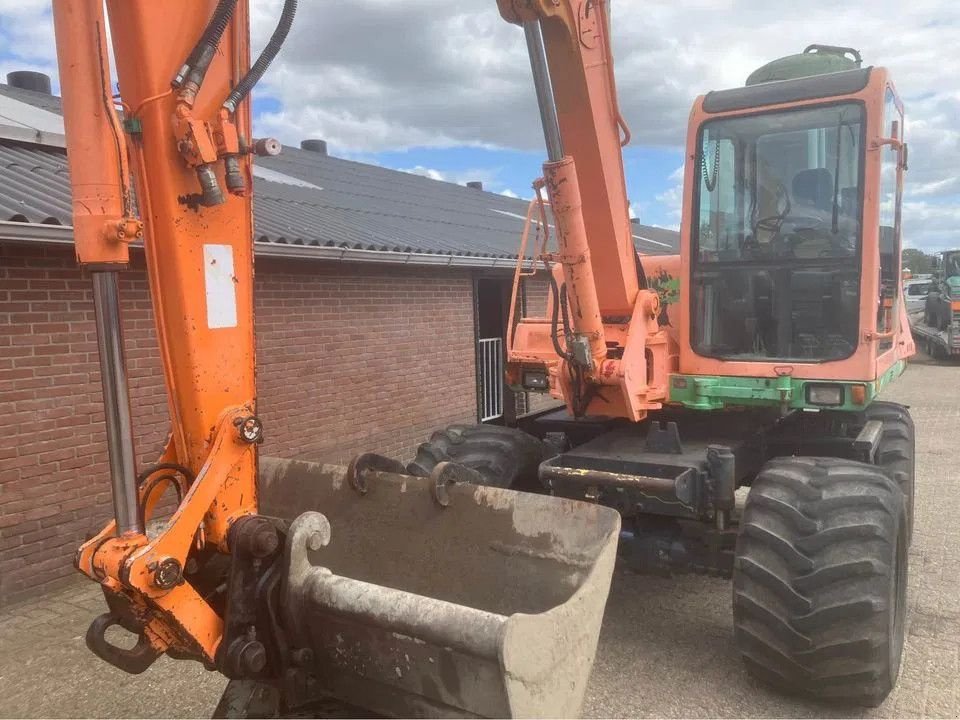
point(633, 384)
point(625, 373)
point(208, 368)
point(563, 189)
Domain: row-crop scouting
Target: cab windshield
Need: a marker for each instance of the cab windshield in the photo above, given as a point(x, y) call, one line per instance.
point(776, 241)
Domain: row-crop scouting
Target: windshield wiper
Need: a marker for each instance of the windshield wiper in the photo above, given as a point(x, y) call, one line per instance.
point(835, 226)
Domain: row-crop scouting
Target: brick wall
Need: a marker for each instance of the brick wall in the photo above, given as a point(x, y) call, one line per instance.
point(386, 356)
point(350, 358)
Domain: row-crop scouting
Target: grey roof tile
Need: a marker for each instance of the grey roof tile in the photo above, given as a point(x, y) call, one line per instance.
point(305, 198)
point(50, 103)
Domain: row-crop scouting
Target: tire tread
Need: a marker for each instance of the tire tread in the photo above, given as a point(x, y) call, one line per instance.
point(812, 578)
point(505, 457)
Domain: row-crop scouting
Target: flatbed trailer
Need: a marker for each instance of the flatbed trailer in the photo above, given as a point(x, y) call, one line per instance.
point(938, 344)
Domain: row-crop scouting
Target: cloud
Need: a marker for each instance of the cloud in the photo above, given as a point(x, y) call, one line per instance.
point(381, 75)
point(671, 199)
point(456, 69)
point(453, 73)
point(424, 172)
point(26, 37)
point(930, 226)
point(946, 186)
point(460, 177)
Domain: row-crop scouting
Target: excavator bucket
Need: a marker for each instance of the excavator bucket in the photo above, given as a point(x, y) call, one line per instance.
point(417, 597)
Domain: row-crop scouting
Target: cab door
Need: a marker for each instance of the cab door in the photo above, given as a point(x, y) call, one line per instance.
point(893, 154)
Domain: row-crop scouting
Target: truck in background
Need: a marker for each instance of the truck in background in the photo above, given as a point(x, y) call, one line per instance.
point(936, 325)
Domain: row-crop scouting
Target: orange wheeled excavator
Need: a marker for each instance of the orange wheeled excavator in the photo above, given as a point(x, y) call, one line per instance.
point(302, 583)
point(751, 361)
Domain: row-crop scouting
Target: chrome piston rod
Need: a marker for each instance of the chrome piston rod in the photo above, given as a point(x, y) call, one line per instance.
point(541, 81)
point(116, 404)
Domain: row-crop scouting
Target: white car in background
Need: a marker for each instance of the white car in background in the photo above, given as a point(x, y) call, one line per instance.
point(915, 291)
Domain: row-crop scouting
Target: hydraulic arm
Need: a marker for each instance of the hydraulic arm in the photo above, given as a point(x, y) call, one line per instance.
point(199, 261)
point(247, 576)
point(611, 351)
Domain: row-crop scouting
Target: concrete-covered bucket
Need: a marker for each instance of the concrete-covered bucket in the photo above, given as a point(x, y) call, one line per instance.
point(419, 598)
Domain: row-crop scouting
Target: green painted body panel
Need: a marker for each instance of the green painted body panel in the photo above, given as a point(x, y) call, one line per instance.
point(801, 65)
point(716, 392)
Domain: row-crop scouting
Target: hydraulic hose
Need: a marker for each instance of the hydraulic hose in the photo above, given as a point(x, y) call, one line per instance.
point(195, 67)
point(565, 312)
point(256, 72)
point(579, 400)
point(555, 320)
point(581, 397)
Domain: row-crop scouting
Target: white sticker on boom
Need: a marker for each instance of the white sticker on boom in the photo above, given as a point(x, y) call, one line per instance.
point(220, 286)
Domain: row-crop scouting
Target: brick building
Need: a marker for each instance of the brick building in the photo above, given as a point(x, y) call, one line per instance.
point(380, 299)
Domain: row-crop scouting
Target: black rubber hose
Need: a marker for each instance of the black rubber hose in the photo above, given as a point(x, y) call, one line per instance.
point(565, 313)
point(215, 28)
point(143, 477)
point(256, 72)
point(555, 320)
point(200, 57)
point(182, 469)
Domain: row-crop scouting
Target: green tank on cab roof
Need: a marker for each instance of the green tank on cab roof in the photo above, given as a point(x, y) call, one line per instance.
point(815, 60)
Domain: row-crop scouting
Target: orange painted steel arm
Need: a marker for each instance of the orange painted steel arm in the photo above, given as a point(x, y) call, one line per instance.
point(617, 355)
point(199, 259)
point(103, 217)
point(577, 41)
point(200, 269)
point(575, 256)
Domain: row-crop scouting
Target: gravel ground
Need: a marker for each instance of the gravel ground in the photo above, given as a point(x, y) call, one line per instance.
point(665, 651)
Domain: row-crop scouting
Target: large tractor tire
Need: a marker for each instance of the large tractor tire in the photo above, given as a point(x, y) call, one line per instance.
point(504, 457)
point(897, 449)
point(820, 579)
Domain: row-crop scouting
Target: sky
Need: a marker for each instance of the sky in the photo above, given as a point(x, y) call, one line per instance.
point(443, 87)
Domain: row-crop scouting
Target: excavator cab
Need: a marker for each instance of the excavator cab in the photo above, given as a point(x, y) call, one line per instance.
point(777, 242)
point(791, 234)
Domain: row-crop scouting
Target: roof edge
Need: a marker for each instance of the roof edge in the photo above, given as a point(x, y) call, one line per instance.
point(17, 133)
point(37, 233)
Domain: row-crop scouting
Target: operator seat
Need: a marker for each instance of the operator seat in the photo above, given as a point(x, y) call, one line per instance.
point(813, 188)
point(813, 295)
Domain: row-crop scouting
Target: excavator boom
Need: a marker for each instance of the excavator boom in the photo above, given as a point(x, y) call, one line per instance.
point(611, 357)
point(581, 119)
